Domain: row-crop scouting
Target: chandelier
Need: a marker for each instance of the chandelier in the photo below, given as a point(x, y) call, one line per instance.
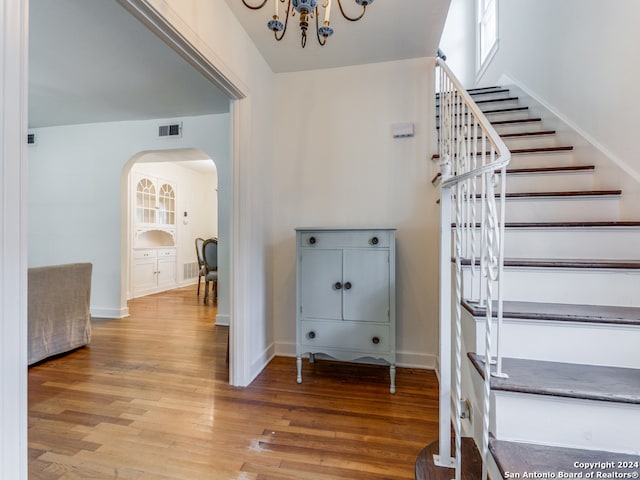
point(306, 10)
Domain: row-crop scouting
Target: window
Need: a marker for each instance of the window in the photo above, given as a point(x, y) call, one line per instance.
point(487, 32)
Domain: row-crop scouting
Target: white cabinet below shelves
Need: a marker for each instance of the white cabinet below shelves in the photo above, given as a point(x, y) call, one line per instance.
point(345, 295)
point(154, 270)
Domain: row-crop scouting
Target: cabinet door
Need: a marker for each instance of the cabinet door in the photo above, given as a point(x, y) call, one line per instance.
point(144, 275)
point(366, 285)
point(320, 270)
point(166, 272)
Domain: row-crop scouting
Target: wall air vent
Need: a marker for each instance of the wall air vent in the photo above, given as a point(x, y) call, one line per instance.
point(31, 138)
point(173, 130)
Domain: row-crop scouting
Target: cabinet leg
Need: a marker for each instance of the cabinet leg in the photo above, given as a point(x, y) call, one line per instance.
point(392, 374)
point(299, 366)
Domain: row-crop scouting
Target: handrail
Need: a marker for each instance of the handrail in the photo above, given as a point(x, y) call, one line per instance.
point(473, 177)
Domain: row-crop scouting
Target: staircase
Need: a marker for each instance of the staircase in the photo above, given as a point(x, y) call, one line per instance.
point(571, 332)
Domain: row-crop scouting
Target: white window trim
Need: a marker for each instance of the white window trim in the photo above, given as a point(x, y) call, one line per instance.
point(483, 65)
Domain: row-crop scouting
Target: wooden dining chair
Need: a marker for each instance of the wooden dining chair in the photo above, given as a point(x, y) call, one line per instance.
point(210, 254)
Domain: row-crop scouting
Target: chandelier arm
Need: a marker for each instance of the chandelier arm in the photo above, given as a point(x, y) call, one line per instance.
point(352, 19)
point(286, 22)
point(321, 41)
point(254, 7)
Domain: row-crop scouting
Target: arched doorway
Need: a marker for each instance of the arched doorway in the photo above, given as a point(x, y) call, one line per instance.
point(213, 222)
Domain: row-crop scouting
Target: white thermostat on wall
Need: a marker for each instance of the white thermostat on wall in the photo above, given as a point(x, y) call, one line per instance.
point(402, 130)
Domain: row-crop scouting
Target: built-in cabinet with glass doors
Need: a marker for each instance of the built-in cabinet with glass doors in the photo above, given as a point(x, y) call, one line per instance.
point(154, 235)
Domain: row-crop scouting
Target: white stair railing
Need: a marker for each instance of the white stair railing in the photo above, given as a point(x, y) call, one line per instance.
point(473, 161)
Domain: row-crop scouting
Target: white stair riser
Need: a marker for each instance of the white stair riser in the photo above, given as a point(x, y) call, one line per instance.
point(535, 141)
point(570, 242)
point(562, 209)
point(559, 341)
point(546, 159)
point(564, 285)
point(487, 96)
point(567, 422)
point(519, 127)
point(501, 116)
point(550, 181)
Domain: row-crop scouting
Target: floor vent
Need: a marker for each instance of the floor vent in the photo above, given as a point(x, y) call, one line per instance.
point(190, 270)
point(173, 130)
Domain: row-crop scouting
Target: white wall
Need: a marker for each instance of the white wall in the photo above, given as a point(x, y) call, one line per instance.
point(338, 165)
point(459, 39)
point(196, 194)
point(580, 57)
point(75, 192)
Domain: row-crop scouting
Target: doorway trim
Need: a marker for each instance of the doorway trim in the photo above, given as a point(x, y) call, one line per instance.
point(14, 41)
point(172, 30)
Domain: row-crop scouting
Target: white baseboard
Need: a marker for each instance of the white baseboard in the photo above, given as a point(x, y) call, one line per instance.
point(262, 361)
point(110, 312)
point(223, 320)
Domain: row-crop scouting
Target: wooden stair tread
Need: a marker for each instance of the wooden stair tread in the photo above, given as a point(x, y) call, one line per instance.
point(567, 194)
point(561, 312)
point(490, 100)
point(516, 120)
point(524, 151)
point(471, 463)
point(483, 91)
point(566, 263)
point(567, 380)
point(510, 121)
point(538, 133)
point(534, 170)
point(568, 168)
point(529, 134)
point(582, 224)
point(518, 458)
point(570, 193)
point(499, 110)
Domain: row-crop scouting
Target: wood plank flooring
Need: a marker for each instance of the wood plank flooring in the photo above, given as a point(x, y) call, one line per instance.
point(149, 399)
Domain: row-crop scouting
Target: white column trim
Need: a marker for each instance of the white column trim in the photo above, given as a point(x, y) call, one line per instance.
point(13, 239)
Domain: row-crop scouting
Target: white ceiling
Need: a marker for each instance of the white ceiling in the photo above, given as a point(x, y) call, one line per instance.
point(389, 30)
point(91, 61)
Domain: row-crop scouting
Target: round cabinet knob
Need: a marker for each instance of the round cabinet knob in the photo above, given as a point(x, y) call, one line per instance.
point(375, 241)
point(347, 285)
point(337, 285)
point(311, 335)
point(312, 240)
point(375, 340)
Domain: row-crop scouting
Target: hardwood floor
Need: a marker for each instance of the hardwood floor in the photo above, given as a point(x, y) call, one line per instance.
point(149, 399)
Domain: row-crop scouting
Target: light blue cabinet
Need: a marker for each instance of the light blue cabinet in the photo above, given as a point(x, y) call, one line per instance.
point(345, 295)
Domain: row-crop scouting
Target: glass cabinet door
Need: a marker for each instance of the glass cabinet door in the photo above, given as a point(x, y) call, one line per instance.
point(145, 201)
point(166, 205)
